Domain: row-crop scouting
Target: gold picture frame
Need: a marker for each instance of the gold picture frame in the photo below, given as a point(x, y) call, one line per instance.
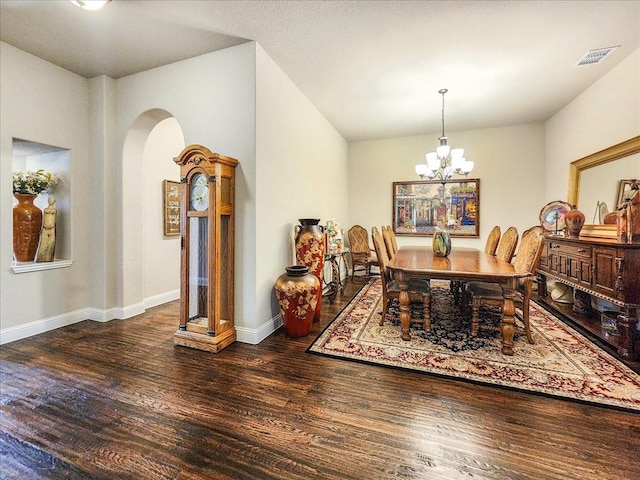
point(171, 207)
point(419, 207)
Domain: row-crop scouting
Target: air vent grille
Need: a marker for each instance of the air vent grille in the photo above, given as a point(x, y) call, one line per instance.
point(596, 56)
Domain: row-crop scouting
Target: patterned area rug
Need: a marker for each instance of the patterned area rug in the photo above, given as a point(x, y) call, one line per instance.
point(561, 363)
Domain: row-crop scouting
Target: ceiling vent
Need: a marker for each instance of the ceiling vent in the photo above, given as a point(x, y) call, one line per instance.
point(596, 56)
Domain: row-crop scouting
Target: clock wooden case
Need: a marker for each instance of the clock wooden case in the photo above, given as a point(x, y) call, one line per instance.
point(207, 184)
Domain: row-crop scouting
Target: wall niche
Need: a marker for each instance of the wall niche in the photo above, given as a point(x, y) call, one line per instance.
point(32, 156)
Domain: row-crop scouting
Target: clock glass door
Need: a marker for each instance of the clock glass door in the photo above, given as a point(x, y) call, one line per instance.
point(198, 271)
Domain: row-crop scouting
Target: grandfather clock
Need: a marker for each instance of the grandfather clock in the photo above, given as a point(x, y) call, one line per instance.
point(206, 230)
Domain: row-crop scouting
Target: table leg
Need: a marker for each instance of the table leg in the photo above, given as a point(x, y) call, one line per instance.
point(507, 327)
point(405, 309)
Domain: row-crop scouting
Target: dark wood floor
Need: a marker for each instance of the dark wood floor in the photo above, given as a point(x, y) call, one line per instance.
point(119, 401)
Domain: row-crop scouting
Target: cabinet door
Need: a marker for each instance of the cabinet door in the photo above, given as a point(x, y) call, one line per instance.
point(604, 271)
point(579, 270)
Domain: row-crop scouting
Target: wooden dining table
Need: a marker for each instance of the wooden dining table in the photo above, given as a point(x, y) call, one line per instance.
point(461, 265)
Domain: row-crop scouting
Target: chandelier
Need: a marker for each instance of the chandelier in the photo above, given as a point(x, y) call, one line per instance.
point(445, 161)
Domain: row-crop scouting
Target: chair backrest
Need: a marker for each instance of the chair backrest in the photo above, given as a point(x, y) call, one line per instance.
point(388, 240)
point(507, 245)
point(381, 252)
point(492, 241)
point(535, 227)
point(392, 236)
point(530, 251)
point(359, 240)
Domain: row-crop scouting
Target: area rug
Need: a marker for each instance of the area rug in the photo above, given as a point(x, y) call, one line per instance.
point(562, 363)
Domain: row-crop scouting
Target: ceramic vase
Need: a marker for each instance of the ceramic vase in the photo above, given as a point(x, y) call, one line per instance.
point(297, 295)
point(27, 224)
point(574, 219)
point(441, 243)
point(310, 250)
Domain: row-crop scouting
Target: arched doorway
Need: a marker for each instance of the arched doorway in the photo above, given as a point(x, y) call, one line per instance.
point(150, 259)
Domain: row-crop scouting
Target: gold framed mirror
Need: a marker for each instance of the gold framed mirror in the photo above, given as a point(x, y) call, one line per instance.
point(621, 150)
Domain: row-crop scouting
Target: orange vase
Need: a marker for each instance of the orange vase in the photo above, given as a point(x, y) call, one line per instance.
point(574, 220)
point(27, 224)
point(310, 250)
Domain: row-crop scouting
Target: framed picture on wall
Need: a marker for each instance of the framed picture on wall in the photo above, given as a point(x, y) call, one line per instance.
point(421, 206)
point(626, 189)
point(171, 207)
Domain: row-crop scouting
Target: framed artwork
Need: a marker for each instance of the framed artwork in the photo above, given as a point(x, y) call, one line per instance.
point(421, 206)
point(625, 189)
point(171, 207)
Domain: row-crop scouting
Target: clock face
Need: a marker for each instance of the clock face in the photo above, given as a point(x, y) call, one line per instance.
point(199, 192)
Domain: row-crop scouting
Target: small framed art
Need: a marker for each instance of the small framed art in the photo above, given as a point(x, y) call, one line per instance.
point(171, 200)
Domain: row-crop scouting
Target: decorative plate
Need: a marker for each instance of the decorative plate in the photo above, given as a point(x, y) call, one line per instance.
point(550, 212)
point(603, 211)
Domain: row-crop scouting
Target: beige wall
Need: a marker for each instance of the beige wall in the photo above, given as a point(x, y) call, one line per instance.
point(605, 114)
point(509, 162)
point(301, 164)
point(44, 103)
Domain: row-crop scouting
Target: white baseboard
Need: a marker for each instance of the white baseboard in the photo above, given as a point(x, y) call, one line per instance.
point(256, 335)
point(19, 332)
point(166, 297)
point(245, 335)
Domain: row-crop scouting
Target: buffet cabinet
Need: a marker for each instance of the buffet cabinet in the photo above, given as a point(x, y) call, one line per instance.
point(603, 268)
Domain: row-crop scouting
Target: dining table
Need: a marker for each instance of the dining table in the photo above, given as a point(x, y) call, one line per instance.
point(461, 265)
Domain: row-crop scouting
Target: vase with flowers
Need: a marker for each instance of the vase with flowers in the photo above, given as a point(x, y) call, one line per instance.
point(27, 217)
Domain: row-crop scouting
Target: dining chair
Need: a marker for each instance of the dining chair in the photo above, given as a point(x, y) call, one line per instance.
point(388, 237)
point(493, 239)
point(419, 290)
point(392, 236)
point(507, 245)
point(363, 257)
point(526, 262)
point(457, 287)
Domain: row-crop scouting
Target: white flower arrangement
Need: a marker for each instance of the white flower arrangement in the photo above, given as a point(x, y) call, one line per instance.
point(33, 183)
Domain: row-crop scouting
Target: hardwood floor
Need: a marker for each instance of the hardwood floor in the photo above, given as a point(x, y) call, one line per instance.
point(119, 401)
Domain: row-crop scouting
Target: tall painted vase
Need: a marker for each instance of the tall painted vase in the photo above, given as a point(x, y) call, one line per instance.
point(310, 250)
point(297, 295)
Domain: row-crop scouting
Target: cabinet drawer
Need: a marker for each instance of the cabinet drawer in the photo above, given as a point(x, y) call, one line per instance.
point(575, 250)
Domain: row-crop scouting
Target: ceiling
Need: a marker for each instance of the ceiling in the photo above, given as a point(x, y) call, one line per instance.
point(373, 68)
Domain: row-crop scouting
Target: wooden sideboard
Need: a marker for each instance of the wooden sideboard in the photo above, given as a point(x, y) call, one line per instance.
point(603, 268)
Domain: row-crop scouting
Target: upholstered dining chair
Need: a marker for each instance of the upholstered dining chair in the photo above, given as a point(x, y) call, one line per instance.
point(507, 245)
point(363, 256)
point(526, 262)
point(419, 290)
point(493, 239)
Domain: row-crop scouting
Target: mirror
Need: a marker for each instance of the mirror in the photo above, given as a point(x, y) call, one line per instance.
point(589, 185)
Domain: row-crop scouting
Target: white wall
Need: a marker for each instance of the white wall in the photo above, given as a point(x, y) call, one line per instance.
point(212, 97)
point(161, 253)
point(301, 164)
point(509, 162)
point(47, 104)
point(605, 114)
